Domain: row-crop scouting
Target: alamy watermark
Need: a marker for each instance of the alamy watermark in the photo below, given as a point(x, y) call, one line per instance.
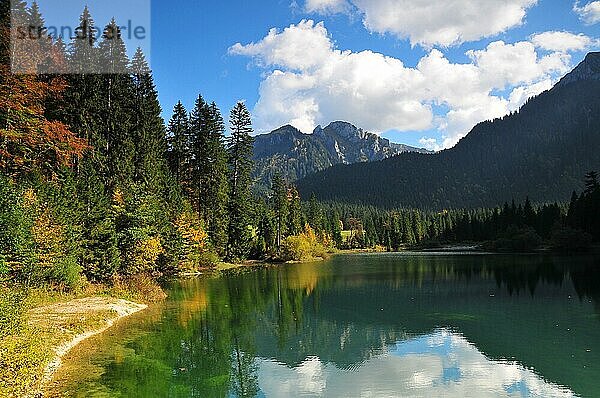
point(77, 36)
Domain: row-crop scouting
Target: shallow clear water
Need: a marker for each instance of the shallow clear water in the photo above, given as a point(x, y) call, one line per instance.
point(379, 325)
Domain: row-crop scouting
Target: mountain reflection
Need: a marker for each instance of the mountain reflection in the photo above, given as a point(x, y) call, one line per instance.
point(420, 325)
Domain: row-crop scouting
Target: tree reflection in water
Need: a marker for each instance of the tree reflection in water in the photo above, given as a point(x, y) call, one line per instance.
point(216, 337)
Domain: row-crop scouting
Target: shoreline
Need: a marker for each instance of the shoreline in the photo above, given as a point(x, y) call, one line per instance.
point(80, 319)
point(101, 312)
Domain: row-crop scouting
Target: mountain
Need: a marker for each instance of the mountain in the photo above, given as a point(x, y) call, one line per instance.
point(541, 151)
point(295, 154)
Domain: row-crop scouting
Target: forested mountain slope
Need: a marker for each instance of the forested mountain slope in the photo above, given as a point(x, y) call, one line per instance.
point(541, 152)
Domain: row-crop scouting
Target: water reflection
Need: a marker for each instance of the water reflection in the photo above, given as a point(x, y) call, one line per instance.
point(440, 364)
point(373, 326)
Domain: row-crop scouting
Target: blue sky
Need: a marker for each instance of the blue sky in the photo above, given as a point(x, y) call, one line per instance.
point(415, 70)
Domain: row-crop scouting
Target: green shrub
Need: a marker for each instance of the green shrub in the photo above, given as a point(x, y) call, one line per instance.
point(66, 273)
point(12, 309)
point(16, 240)
point(4, 270)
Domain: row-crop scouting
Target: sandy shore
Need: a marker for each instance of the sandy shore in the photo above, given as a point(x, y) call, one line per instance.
point(77, 320)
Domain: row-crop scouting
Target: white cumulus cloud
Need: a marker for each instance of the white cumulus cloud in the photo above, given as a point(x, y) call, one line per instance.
point(589, 13)
point(327, 6)
point(562, 41)
point(308, 81)
point(430, 23)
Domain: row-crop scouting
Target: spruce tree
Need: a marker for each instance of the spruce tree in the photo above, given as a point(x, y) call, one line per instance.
point(149, 131)
point(199, 145)
point(280, 205)
point(38, 31)
point(217, 188)
point(336, 229)
point(295, 224)
point(240, 149)
point(116, 108)
point(83, 53)
point(315, 216)
point(82, 95)
point(178, 145)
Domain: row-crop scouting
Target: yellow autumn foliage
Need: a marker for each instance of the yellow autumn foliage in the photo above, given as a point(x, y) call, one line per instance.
point(195, 242)
point(118, 197)
point(191, 230)
point(304, 247)
point(29, 198)
point(146, 252)
point(49, 237)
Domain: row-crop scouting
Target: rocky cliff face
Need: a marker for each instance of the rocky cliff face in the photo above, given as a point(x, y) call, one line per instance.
point(296, 155)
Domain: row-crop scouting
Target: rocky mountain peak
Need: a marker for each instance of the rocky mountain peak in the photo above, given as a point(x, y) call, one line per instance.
point(294, 154)
point(588, 69)
point(345, 130)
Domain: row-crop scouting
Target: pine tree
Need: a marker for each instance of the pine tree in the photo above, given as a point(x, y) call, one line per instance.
point(281, 206)
point(83, 54)
point(199, 145)
point(240, 148)
point(116, 107)
point(149, 132)
point(179, 145)
point(100, 257)
point(39, 33)
point(295, 212)
point(267, 231)
point(217, 189)
point(336, 229)
point(81, 110)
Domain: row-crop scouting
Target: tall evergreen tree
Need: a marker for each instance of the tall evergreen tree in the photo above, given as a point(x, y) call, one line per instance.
point(295, 224)
point(199, 146)
point(149, 131)
point(280, 205)
point(315, 216)
point(336, 229)
point(217, 189)
point(178, 145)
point(82, 95)
point(116, 107)
point(39, 32)
point(83, 52)
point(240, 148)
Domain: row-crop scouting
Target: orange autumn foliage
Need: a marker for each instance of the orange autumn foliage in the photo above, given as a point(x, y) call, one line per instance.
point(29, 140)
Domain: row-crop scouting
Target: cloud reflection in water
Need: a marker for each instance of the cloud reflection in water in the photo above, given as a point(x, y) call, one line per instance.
point(440, 364)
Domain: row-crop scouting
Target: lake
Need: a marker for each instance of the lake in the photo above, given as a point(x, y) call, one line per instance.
point(373, 325)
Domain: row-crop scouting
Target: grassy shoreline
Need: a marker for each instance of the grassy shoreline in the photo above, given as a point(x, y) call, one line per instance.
point(107, 311)
point(50, 325)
